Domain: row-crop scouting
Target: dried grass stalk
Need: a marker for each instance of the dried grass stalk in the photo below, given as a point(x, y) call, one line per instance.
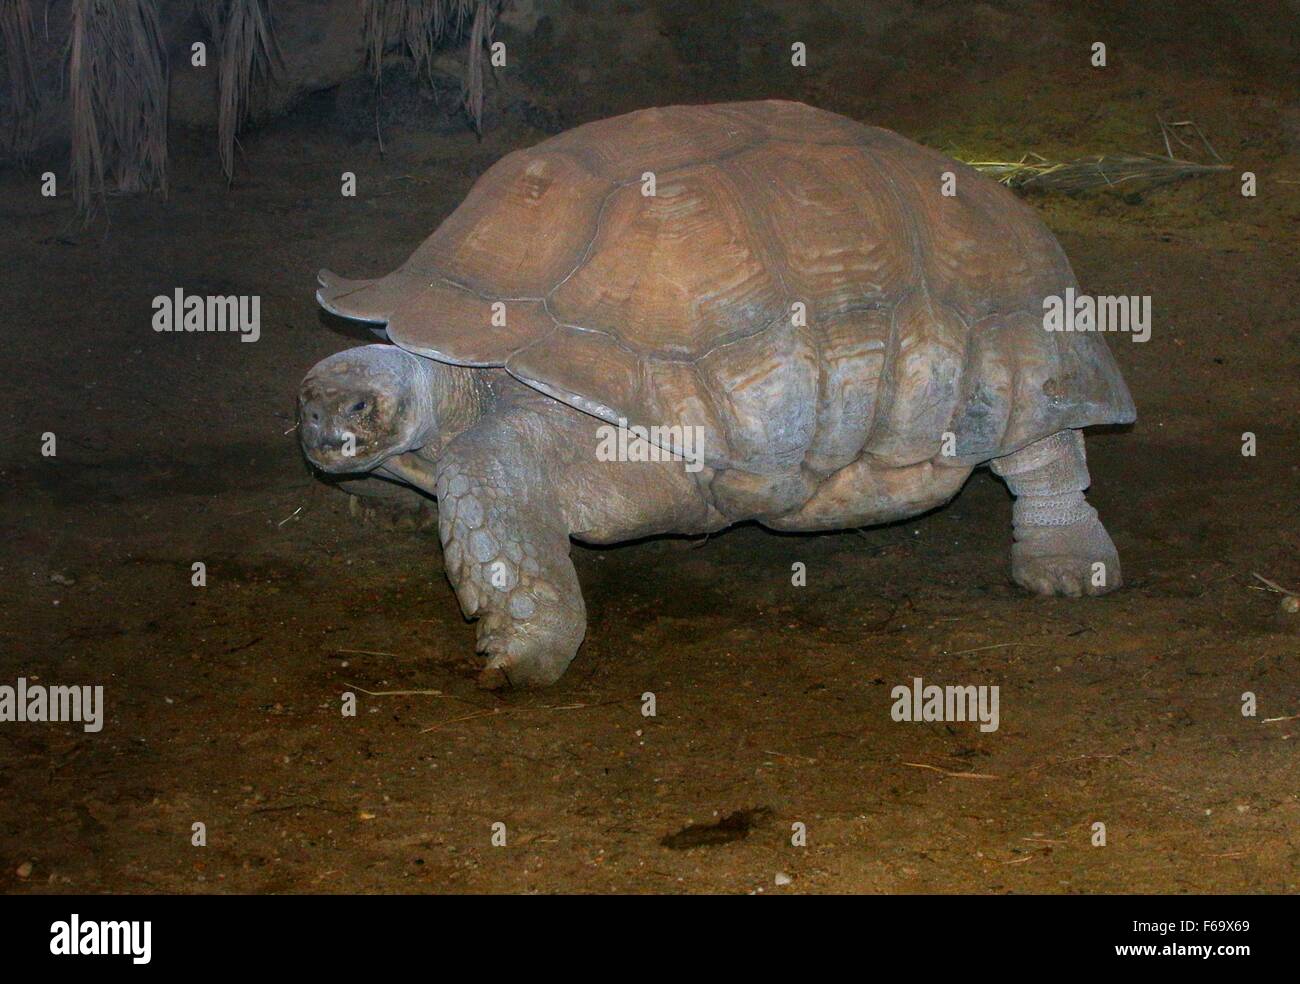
point(1123, 171)
point(17, 41)
point(117, 80)
point(1134, 172)
point(247, 53)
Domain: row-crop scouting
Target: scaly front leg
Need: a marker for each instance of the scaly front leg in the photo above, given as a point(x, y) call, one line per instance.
point(506, 550)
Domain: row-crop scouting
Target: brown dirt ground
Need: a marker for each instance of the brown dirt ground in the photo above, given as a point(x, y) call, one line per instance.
point(223, 702)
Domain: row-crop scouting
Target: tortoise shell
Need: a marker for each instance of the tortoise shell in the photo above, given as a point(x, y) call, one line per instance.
point(797, 284)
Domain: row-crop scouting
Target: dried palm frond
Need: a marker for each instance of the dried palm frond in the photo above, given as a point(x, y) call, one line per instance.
point(374, 31)
point(17, 39)
point(247, 55)
point(117, 79)
point(479, 37)
point(419, 27)
point(425, 24)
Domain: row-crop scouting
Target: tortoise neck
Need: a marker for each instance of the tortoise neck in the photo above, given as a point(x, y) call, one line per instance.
point(453, 398)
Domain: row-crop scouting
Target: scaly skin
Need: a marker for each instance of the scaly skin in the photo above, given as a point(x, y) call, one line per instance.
point(1058, 537)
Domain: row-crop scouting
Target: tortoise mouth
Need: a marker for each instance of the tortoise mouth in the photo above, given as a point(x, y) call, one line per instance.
point(344, 431)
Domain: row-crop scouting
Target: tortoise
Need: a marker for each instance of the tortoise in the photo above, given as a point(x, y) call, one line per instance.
point(688, 317)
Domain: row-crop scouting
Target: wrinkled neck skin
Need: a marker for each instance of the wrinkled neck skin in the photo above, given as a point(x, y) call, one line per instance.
point(448, 400)
point(453, 399)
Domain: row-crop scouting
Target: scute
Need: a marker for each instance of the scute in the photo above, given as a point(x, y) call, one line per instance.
point(797, 123)
point(521, 229)
point(838, 233)
point(919, 386)
point(980, 249)
point(675, 273)
point(451, 323)
point(623, 148)
point(770, 386)
point(588, 370)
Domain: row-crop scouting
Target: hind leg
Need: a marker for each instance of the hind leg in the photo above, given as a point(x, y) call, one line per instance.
point(1060, 546)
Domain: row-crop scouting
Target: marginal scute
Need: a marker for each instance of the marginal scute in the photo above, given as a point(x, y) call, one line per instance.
point(679, 395)
point(372, 301)
point(984, 410)
point(1089, 378)
point(770, 386)
point(852, 347)
point(1041, 398)
point(453, 324)
point(594, 373)
point(587, 370)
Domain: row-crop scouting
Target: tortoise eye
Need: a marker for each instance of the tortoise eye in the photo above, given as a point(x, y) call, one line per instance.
point(358, 406)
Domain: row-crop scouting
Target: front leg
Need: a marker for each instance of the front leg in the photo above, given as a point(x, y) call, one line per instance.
point(506, 549)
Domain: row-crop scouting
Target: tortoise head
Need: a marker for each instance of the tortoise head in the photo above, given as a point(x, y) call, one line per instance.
point(362, 406)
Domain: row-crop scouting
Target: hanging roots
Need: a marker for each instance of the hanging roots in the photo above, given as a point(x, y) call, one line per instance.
point(117, 79)
point(17, 39)
point(248, 54)
point(419, 27)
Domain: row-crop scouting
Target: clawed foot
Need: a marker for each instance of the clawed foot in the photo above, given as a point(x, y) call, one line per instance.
point(1074, 560)
point(527, 653)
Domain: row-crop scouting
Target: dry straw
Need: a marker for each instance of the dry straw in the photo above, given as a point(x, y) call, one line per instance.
point(1121, 171)
point(247, 54)
point(117, 80)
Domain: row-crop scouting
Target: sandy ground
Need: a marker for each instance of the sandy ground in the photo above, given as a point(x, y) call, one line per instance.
point(772, 700)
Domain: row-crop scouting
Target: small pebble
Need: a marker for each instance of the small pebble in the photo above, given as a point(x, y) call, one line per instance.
point(1290, 604)
point(24, 870)
point(782, 878)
